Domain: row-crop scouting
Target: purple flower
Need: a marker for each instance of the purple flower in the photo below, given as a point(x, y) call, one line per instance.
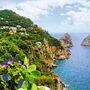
point(12, 60)
point(4, 62)
point(20, 83)
point(5, 77)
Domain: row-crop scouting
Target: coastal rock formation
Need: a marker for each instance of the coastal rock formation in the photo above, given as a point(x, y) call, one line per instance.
point(50, 53)
point(86, 41)
point(66, 41)
point(55, 52)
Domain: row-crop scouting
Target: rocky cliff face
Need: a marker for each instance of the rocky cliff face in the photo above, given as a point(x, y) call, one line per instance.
point(86, 41)
point(55, 52)
point(66, 41)
point(50, 53)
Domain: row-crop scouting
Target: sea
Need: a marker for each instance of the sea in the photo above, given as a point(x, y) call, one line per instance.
point(75, 71)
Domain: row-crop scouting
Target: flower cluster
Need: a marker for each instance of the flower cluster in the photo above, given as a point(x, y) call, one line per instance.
point(4, 66)
point(16, 75)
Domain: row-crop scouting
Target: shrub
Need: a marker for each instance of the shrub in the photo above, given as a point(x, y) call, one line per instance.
point(15, 75)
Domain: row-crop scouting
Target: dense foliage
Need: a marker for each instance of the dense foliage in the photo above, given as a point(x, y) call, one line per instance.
point(22, 24)
point(18, 38)
point(9, 18)
point(14, 76)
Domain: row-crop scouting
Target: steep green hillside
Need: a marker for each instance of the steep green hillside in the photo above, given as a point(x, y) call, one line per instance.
point(20, 37)
point(14, 23)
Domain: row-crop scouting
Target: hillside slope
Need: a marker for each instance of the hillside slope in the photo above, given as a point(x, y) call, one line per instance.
point(20, 37)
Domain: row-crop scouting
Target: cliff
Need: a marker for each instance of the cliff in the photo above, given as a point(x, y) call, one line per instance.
point(20, 38)
point(50, 53)
point(66, 41)
point(86, 41)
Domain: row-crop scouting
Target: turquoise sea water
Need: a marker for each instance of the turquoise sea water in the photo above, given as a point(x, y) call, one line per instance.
point(75, 72)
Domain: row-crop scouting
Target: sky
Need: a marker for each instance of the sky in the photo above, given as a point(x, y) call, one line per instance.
point(55, 16)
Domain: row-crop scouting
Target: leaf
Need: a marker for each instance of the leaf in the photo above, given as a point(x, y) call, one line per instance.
point(10, 63)
point(22, 89)
point(15, 73)
point(26, 61)
point(34, 87)
point(9, 77)
point(24, 72)
point(31, 79)
point(31, 68)
point(36, 73)
point(41, 88)
point(25, 85)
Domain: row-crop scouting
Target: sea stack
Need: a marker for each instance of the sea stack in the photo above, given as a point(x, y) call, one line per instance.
point(86, 41)
point(66, 40)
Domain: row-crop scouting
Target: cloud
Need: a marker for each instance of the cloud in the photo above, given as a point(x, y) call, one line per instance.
point(36, 8)
point(79, 17)
point(78, 10)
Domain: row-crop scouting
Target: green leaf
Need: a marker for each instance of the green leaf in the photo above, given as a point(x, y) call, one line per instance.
point(26, 61)
point(22, 89)
point(34, 87)
point(31, 68)
point(36, 73)
point(41, 88)
point(25, 85)
point(24, 71)
point(9, 77)
point(31, 79)
point(15, 73)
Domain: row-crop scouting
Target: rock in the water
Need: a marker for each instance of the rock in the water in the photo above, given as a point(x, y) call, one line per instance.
point(66, 41)
point(86, 41)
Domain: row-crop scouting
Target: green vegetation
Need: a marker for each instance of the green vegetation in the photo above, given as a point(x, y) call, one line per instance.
point(20, 38)
point(14, 76)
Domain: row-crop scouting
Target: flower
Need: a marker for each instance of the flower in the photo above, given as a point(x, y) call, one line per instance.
point(11, 59)
point(5, 77)
point(20, 83)
point(4, 62)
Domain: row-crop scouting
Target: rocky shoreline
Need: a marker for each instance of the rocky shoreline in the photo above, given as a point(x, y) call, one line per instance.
point(55, 53)
point(66, 42)
point(64, 54)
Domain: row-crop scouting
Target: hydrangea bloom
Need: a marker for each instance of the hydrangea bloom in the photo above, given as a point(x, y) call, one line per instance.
point(5, 77)
point(12, 60)
point(5, 62)
point(20, 83)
